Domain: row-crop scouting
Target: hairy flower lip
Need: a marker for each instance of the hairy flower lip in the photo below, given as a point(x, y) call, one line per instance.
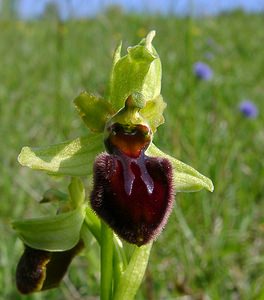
point(138, 216)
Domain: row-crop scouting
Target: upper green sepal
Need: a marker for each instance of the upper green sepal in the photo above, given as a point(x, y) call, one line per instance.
point(93, 110)
point(185, 178)
point(138, 71)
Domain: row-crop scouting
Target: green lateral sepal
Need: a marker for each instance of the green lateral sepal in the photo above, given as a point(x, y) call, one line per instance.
point(74, 158)
point(185, 178)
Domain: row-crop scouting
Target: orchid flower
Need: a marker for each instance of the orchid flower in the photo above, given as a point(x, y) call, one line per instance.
point(133, 181)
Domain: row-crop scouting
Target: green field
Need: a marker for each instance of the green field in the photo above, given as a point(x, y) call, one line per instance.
point(213, 245)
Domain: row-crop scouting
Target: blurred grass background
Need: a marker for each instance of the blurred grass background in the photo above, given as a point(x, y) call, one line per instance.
point(213, 245)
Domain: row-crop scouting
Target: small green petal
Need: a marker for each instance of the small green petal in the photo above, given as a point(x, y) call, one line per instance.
point(138, 71)
point(153, 112)
point(93, 110)
point(185, 178)
point(74, 158)
point(52, 233)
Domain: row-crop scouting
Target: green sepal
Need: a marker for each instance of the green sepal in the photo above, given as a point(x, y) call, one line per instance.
point(52, 233)
point(93, 110)
point(185, 178)
point(152, 84)
point(117, 55)
point(74, 158)
point(138, 71)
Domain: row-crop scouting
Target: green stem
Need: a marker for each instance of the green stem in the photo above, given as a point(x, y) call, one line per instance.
point(120, 262)
point(133, 275)
point(93, 223)
point(106, 261)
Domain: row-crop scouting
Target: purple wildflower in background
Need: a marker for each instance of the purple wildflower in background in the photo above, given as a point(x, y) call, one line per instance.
point(202, 71)
point(248, 109)
point(209, 55)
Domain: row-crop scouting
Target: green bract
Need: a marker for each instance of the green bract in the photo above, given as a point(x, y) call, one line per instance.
point(57, 232)
point(54, 233)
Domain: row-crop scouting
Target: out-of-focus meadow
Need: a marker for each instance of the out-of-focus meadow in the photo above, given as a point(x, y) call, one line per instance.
point(213, 245)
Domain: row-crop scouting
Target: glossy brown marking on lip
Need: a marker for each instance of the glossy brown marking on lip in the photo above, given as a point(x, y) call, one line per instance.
point(130, 140)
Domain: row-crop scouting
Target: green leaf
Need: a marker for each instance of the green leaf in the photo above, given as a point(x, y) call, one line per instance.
point(153, 112)
point(138, 71)
point(185, 178)
point(133, 275)
point(52, 233)
point(93, 110)
point(74, 158)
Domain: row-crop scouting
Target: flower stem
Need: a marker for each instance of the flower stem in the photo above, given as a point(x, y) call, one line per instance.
point(106, 261)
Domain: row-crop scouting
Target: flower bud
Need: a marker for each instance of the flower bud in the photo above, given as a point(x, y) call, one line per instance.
point(39, 270)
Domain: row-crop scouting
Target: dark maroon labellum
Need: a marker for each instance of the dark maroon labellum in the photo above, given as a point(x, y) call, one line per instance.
point(132, 192)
